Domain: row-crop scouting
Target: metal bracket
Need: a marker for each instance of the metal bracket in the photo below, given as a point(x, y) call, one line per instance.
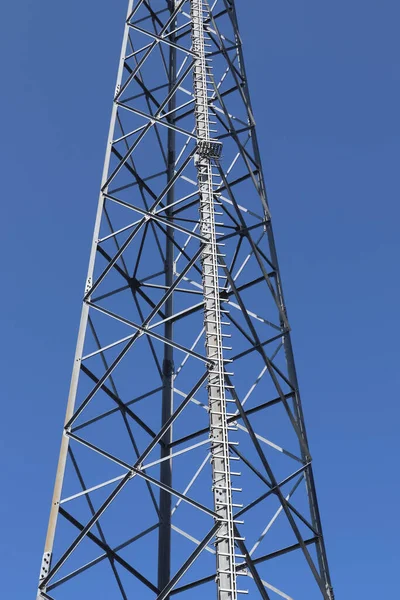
point(88, 285)
point(45, 567)
point(209, 149)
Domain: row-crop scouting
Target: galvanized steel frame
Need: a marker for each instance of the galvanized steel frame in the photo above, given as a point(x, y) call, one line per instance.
point(155, 100)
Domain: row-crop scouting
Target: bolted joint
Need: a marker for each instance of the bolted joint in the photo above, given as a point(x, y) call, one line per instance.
point(45, 566)
point(241, 230)
point(88, 285)
point(330, 593)
point(168, 367)
point(134, 284)
point(224, 296)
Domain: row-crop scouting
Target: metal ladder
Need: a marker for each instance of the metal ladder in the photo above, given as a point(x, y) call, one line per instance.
point(208, 153)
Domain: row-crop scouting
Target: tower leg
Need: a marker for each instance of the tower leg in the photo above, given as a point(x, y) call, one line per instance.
point(164, 540)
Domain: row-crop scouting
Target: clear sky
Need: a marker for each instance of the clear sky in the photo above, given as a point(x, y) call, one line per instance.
point(325, 83)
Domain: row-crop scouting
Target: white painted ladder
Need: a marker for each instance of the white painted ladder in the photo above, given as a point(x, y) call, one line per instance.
point(208, 152)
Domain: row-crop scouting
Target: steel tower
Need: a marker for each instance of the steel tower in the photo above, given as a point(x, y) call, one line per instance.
point(184, 466)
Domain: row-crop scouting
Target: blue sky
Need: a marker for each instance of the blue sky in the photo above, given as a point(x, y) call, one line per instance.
point(325, 84)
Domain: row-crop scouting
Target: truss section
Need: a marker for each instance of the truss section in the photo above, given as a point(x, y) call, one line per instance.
point(184, 466)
